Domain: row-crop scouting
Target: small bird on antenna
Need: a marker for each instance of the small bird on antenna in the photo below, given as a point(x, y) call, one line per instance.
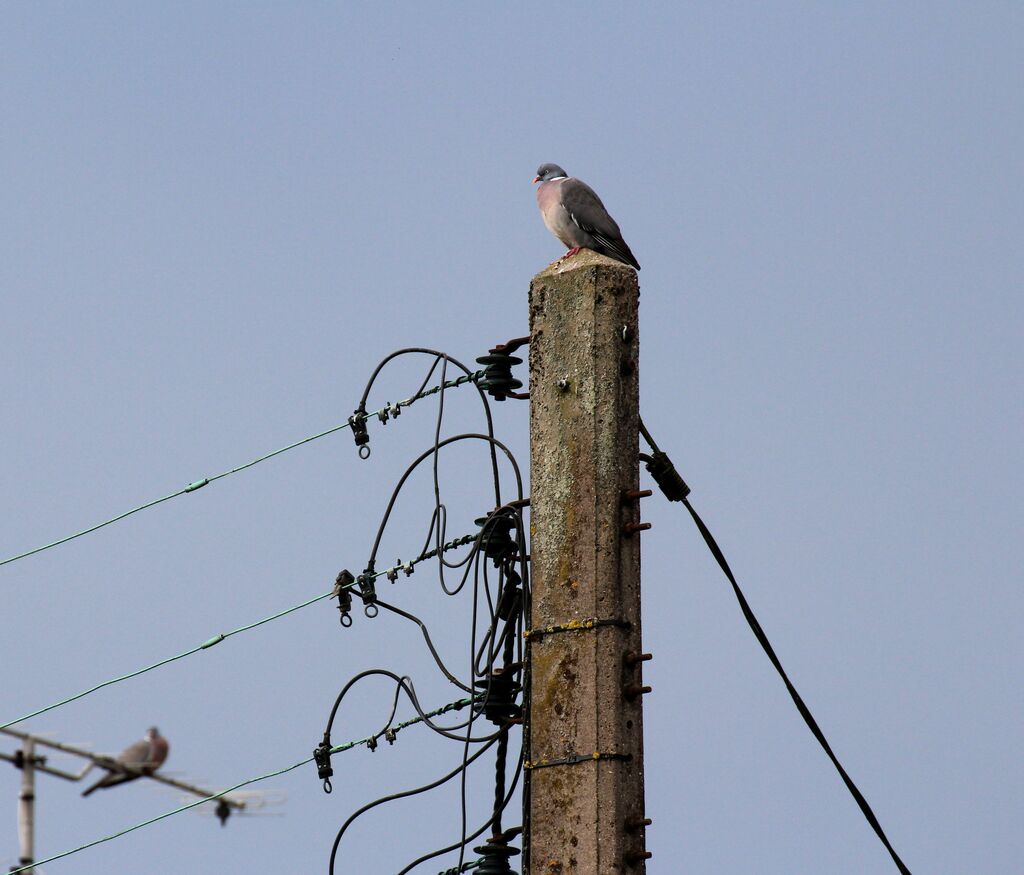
point(145, 756)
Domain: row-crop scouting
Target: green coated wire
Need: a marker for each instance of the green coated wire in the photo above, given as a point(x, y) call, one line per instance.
point(216, 639)
point(204, 646)
point(199, 484)
point(152, 820)
point(349, 745)
point(398, 727)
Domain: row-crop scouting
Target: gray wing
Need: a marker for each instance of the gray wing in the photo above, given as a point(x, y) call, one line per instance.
point(137, 754)
point(587, 211)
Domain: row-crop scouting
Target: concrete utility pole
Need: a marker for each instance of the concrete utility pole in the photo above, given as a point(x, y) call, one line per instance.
point(584, 772)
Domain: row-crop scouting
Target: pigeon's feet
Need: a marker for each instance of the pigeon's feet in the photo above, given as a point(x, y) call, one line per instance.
point(570, 253)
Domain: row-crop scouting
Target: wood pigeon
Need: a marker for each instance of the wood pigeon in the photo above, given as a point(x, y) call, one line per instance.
point(144, 756)
point(575, 215)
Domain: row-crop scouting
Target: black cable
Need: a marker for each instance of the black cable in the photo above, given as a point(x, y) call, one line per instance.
point(499, 779)
point(483, 549)
point(762, 639)
point(406, 685)
point(430, 644)
point(513, 621)
point(463, 812)
point(402, 795)
point(491, 441)
point(447, 358)
point(473, 836)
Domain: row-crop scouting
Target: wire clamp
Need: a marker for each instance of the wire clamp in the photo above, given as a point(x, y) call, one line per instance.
point(343, 592)
point(389, 411)
point(360, 435)
point(368, 591)
point(322, 757)
point(575, 760)
point(662, 470)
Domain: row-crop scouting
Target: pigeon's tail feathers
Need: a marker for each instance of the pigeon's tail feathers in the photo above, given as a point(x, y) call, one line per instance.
point(616, 248)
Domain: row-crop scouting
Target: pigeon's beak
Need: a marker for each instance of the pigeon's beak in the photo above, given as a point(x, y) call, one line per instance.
point(536, 179)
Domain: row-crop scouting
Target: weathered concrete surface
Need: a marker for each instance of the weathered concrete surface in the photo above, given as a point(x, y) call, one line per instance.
point(583, 456)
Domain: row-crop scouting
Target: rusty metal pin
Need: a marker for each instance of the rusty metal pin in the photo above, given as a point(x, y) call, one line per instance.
point(635, 823)
point(632, 658)
point(635, 494)
point(633, 528)
point(631, 691)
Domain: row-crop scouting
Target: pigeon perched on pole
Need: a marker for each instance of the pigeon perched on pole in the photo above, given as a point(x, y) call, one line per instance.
point(145, 757)
point(574, 213)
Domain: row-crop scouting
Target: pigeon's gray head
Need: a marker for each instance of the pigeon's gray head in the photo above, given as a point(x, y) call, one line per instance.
point(549, 171)
point(152, 732)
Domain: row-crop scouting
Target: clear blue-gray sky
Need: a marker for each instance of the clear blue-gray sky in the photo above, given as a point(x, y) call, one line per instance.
point(218, 217)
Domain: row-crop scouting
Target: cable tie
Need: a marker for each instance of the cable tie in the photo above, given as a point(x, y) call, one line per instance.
point(576, 626)
point(575, 760)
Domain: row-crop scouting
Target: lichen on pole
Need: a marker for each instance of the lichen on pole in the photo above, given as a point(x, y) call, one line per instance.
point(585, 784)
